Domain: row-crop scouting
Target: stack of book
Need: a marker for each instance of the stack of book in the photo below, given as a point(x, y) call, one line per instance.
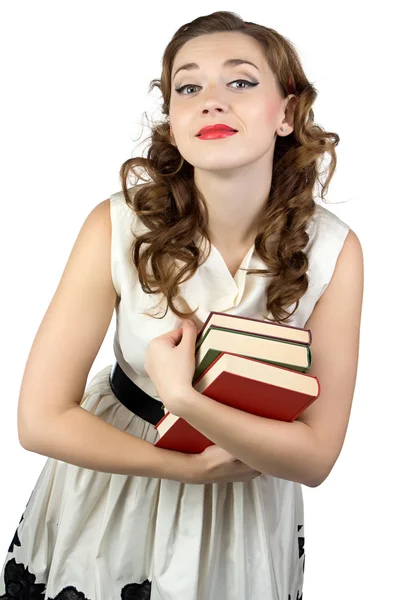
point(256, 366)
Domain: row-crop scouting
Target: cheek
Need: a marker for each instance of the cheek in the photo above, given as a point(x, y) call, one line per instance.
point(179, 120)
point(271, 113)
point(264, 115)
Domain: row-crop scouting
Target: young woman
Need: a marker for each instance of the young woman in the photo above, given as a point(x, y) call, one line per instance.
point(226, 221)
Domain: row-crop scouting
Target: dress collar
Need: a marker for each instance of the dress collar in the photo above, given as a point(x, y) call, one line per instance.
point(212, 287)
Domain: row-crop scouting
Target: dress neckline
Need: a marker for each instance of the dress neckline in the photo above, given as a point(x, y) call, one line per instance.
point(213, 286)
point(221, 259)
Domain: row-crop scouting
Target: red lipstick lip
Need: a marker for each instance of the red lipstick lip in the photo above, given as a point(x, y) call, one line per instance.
point(217, 127)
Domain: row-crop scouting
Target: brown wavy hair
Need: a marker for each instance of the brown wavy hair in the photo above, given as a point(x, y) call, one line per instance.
point(170, 204)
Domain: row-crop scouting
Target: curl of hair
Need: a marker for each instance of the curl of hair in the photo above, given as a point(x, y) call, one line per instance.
point(173, 209)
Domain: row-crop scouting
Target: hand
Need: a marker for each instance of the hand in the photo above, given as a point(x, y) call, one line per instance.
point(170, 363)
point(216, 465)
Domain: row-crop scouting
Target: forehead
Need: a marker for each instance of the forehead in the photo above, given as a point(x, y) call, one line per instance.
point(214, 48)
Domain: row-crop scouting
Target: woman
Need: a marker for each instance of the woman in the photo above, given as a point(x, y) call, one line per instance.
point(112, 515)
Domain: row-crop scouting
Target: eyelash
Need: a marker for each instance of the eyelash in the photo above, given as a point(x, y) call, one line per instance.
point(250, 84)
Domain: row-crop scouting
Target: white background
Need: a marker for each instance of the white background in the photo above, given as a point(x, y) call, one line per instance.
point(74, 79)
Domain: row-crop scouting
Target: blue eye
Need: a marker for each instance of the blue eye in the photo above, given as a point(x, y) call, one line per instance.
point(249, 84)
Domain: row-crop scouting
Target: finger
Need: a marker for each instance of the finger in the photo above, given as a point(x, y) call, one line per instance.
point(189, 330)
point(175, 336)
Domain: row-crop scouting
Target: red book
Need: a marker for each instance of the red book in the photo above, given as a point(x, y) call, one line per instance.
point(248, 384)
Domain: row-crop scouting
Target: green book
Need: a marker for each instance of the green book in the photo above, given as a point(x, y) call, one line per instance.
point(283, 353)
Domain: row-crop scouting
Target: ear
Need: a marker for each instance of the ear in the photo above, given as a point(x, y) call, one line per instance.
point(292, 101)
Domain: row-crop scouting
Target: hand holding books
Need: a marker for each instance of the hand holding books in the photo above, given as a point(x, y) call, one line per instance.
point(252, 365)
point(170, 363)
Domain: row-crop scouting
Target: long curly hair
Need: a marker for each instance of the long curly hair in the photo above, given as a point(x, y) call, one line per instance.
point(173, 209)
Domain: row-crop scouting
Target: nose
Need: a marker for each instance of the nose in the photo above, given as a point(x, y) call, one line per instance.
point(213, 101)
point(207, 109)
point(212, 105)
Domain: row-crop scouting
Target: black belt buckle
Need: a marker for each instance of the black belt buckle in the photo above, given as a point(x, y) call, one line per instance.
point(133, 397)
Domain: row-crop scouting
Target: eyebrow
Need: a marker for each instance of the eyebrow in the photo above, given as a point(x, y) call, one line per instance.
point(231, 62)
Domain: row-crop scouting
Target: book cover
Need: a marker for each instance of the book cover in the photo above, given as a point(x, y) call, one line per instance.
point(250, 394)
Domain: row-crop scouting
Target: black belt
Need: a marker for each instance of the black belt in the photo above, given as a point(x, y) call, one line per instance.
point(133, 397)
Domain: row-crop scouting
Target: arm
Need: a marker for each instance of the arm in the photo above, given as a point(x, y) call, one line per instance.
point(306, 449)
point(50, 419)
point(77, 437)
point(284, 450)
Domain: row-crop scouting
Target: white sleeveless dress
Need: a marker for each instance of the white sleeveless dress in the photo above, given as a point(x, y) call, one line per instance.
point(88, 535)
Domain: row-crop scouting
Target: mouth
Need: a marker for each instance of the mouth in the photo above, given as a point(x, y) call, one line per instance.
point(214, 135)
point(217, 129)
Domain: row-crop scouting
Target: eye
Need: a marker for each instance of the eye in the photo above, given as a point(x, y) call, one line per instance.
point(189, 85)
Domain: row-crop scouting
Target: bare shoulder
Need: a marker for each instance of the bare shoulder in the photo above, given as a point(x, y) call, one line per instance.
point(348, 277)
point(352, 248)
point(101, 212)
point(93, 243)
point(103, 207)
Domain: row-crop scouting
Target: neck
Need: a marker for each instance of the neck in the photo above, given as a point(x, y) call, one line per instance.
point(235, 200)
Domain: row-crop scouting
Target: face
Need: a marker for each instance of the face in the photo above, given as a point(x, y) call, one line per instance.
point(244, 97)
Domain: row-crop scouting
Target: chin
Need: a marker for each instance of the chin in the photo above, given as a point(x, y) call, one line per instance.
point(217, 162)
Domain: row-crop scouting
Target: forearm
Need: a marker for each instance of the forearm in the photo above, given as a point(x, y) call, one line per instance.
point(278, 448)
point(85, 440)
